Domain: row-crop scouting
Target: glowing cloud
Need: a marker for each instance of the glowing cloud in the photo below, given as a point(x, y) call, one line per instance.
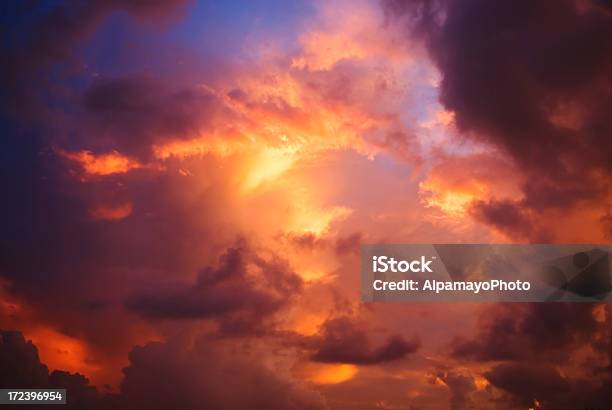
point(103, 164)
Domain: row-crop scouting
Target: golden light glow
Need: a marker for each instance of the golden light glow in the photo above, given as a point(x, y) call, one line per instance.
point(451, 203)
point(451, 197)
point(481, 382)
point(308, 324)
point(59, 351)
point(324, 373)
point(316, 220)
point(269, 164)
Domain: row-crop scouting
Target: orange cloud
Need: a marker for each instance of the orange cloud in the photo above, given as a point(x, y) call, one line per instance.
point(102, 164)
point(335, 36)
point(456, 182)
point(323, 373)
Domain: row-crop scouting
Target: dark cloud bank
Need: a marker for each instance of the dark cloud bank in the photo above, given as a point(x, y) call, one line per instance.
point(341, 340)
point(164, 376)
point(534, 353)
point(532, 78)
point(241, 304)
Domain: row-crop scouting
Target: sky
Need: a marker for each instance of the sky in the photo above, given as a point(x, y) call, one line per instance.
point(187, 186)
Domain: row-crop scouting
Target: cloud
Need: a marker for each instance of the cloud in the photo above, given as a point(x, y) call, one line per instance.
point(341, 340)
point(531, 81)
point(545, 332)
point(207, 376)
point(20, 364)
point(244, 289)
point(557, 354)
point(508, 217)
point(20, 368)
point(529, 382)
point(101, 165)
point(134, 113)
point(165, 375)
point(455, 182)
point(501, 87)
point(95, 241)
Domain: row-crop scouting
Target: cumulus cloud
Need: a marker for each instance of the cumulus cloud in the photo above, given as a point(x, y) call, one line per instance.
point(165, 375)
point(243, 290)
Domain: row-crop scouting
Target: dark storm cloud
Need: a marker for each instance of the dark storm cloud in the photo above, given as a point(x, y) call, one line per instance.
point(525, 383)
point(20, 368)
point(533, 79)
point(341, 340)
point(545, 332)
point(163, 376)
point(537, 345)
point(20, 364)
point(529, 382)
point(226, 291)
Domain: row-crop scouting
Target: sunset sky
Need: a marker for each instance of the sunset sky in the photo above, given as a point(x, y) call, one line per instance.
point(186, 186)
